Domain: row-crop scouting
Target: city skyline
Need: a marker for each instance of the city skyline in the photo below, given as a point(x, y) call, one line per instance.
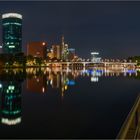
point(70, 69)
point(111, 28)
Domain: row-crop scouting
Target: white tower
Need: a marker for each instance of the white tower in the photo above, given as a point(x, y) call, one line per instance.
point(95, 58)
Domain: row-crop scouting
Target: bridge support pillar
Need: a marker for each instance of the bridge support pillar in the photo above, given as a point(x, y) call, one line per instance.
point(84, 64)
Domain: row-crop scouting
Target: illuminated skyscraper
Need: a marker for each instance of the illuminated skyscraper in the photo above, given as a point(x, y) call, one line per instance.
point(71, 54)
point(63, 47)
point(63, 43)
point(12, 33)
point(64, 51)
point(95, 58)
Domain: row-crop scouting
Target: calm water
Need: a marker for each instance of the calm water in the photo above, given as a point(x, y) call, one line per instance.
point(45, 103)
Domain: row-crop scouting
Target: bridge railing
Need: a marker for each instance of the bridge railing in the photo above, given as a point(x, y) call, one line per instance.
point(131, 126)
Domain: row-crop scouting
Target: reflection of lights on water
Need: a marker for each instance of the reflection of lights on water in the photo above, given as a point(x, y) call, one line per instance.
point(94, 73)
point(43, 89)
point(11, 87)
point(124, 73)
point(66, 87)
point(71, 82)
point(0, 85)
point(47, 82)
point(11, 112)
point(37, 80)
point(11, 122)
point(107, 71)
point(131, 71)
point(84, 71)
point(94, 79)
point(51, 82)
point(118, 74)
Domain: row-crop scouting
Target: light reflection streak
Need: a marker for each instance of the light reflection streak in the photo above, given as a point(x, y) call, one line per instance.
point(38, 79)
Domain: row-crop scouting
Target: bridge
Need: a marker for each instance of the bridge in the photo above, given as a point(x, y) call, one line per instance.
point(85, 63)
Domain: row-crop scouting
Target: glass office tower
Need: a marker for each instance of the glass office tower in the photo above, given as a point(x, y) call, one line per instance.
point(12, 33)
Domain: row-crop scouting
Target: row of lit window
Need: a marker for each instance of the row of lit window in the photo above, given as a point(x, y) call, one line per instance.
point(11, 37)
point(10, 23)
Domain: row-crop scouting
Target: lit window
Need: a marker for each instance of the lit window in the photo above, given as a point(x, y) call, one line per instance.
point(15, 15)
point(11, 24)
point(11, 46)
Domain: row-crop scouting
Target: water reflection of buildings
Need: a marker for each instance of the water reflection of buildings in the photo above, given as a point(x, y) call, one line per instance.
point(123, 72)
point(55, 79)
point(62, 79)
point(38, 80)
point(10, 102)
point(36, 84)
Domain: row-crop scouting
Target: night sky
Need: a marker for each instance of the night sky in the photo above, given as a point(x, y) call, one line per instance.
point(112, 28)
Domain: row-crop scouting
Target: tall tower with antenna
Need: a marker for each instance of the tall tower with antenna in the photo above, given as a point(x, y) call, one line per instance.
point(62, 47)
point(62, 41)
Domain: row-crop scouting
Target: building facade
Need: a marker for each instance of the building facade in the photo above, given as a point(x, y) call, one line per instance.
point(71, 54)
point(56, 49)
point(64, 50)
point(12, 33)
point(95, 57)
point(37, 49)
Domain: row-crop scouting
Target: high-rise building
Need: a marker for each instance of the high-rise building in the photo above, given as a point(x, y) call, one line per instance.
point(56, 51)
point(37, 49)
point(12, 33)
point(95, 57)
point(64, 50)
point(71, 53)
point(63, 47)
